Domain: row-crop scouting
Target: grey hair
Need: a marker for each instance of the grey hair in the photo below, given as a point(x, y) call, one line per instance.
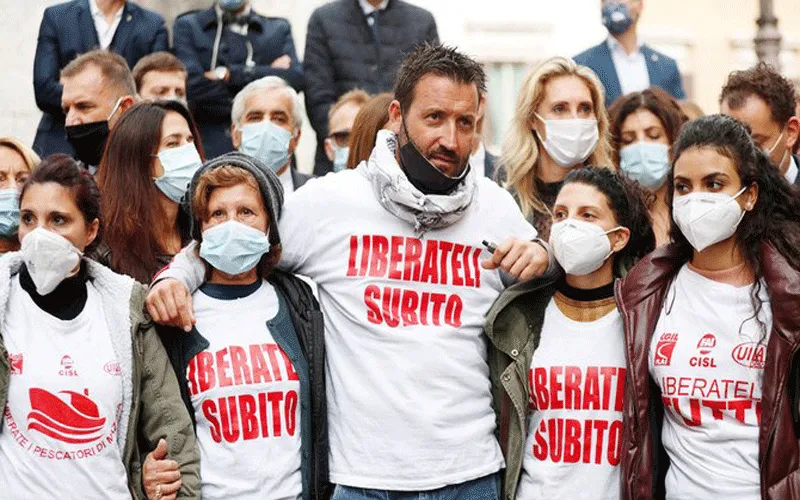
point(268, 82)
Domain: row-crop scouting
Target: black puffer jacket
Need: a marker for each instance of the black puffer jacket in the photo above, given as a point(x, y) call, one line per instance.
point(342, 53)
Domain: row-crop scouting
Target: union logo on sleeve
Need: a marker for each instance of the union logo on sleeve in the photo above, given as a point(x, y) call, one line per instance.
point(665, 348)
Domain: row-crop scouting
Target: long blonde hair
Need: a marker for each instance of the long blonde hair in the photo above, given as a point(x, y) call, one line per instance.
point(520, 155)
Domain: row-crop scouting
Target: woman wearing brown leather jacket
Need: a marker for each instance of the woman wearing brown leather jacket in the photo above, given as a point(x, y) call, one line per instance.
point(712, 324)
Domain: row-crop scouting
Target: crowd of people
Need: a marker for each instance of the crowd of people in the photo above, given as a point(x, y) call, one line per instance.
point(608, 308)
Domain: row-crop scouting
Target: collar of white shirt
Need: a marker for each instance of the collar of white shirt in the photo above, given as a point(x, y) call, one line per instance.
point(368, 8)
point(105, 30)
point(792, 171)
point(615, 46)
point(287, 181)
point(96, 10)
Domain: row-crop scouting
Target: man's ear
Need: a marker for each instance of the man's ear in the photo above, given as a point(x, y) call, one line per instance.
point(328, 149)
point(792, 132)
point(395, 123)
point(236, 136)
point(295, 140)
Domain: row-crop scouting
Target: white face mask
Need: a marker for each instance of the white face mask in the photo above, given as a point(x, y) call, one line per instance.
point(49, 257)
point(707, 218)
point(580, 247)
point(570, 142)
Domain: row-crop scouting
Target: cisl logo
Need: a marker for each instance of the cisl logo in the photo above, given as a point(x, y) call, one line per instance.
point(750, 355)
point(705, 346)
point(67, 367)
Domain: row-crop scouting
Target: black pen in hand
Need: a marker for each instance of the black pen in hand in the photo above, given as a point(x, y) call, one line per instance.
point(491, 247)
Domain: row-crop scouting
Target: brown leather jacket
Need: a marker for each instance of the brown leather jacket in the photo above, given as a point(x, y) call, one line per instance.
point(644, 461)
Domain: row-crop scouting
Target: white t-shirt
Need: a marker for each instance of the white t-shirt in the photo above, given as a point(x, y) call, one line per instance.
point(59, 432)
point(710, 374)
point(246, 398)
point(577, 383)
point(409, 400)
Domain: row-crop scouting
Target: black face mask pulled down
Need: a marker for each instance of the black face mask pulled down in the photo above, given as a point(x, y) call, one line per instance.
point(422, 174)
point(89, 141)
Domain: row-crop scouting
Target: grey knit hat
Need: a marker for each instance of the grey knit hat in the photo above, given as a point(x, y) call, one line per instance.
point(268, 182)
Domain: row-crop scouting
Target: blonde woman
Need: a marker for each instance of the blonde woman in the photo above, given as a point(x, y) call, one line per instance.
point(560, 123)
point(16, 163)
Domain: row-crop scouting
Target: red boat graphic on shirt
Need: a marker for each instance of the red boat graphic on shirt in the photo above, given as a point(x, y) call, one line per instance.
point(68, 416)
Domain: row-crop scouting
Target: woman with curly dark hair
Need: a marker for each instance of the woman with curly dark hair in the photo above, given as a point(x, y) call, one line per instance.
point(557, 358)
point(713, 328)
point(644, 125)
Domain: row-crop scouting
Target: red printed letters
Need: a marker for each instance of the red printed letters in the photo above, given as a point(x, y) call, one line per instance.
point(571, 440)
point(404, 259)
point(245, 416)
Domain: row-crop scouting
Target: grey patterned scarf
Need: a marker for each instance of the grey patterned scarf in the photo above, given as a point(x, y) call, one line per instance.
point(403, 200)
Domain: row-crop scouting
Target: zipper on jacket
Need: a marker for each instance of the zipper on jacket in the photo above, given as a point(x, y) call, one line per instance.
point(628, 354)
point(628, 357)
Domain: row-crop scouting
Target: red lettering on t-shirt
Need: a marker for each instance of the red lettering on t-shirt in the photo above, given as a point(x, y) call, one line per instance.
point(222, 366)
point(455, 264)
point(396, 258)
point(248, 407)
point(272, 353)
point(430, 271)
point(372, 295)
point(241, 368)
point(205, 371)
point(259, 364)
point(380, 251)
point(411, 271)
point(365, 255)
point(351, 262)
point(409, 308)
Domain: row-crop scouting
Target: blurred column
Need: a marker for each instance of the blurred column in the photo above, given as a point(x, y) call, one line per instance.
point(768, 36)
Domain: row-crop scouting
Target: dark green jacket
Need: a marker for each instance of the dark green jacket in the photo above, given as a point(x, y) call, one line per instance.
point(513, 325)
point(152, 405)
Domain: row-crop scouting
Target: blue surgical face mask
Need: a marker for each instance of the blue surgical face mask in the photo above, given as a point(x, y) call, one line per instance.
point(267, 142)
point(340, 156)
point(616, 17)
point(179, 164)
point(9, 212)
point(233, 248)
point(645, 162)
point(231, 5)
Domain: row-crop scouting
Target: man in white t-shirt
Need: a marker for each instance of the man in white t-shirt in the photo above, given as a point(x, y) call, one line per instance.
point(395, 247)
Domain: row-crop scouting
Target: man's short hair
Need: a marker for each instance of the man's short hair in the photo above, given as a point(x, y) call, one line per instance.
point(765, 83)
point(438, 60)
point(355, 96)
point(114, 68)
point(268, 82)
point(157, 61)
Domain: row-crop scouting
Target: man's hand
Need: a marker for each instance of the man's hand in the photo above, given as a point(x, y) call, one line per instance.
point(283, 62)
point(520, 259)
point(170, 303)
point(161, 478)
